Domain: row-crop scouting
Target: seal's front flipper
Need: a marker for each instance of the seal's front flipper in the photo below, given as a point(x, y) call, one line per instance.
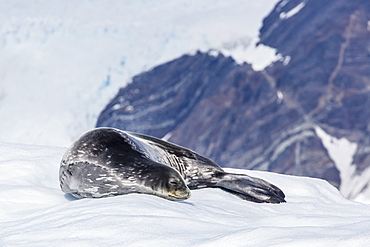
point(250, 188)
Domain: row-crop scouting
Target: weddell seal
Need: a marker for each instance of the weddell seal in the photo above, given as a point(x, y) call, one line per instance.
point(108, 162)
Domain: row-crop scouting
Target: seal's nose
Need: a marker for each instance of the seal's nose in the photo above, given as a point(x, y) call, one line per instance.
point(182, 194)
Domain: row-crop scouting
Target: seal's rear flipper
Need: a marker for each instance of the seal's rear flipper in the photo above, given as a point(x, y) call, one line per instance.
point(250, 188)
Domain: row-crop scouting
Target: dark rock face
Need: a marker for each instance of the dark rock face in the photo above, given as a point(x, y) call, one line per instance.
point(156, 102)
point(265, 120)
point(329, 72)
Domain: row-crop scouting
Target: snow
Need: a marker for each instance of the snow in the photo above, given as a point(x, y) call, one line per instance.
point(341, 151)
point(353, 185)
point(292, 12)
point(282, 4)
point(35, 212)
point(167, 136)
point(280, 96)
point(286, 60)
point(63, 60)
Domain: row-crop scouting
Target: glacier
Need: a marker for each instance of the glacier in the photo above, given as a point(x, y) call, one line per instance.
point(62, 61)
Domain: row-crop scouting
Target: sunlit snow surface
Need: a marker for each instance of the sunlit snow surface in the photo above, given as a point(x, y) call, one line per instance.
point(35, 212)
point(63, 60)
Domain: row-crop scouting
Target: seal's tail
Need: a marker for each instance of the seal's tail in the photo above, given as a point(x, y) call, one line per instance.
point(250, 188)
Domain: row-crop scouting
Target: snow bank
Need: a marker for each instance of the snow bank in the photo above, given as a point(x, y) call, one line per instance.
point(34, 212)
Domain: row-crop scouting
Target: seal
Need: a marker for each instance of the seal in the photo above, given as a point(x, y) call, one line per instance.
point(108, 161)
point(104, 163)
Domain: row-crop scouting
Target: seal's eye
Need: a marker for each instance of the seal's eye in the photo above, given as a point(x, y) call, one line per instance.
point(173, 182)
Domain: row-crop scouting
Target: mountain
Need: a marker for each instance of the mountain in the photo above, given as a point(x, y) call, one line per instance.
point(35, 212)
point(306, 114)
point(62, 61)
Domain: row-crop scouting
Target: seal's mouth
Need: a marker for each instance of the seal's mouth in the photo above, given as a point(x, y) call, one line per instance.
point(182, 196)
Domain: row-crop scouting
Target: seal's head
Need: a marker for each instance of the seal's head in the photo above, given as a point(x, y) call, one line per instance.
point(166, 182)
point(176, 188)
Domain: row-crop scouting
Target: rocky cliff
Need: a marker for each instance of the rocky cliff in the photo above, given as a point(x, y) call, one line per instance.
point(266, 120)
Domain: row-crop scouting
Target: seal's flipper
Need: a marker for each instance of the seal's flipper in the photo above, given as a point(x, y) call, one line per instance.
point(250, 188)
